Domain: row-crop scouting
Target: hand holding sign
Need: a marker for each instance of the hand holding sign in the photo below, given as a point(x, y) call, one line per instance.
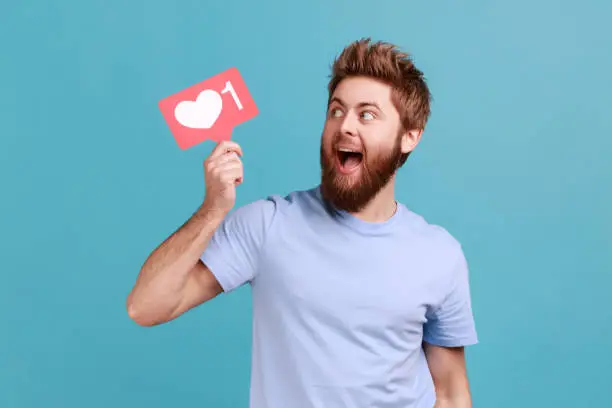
point(208, 110)
point(223, 171)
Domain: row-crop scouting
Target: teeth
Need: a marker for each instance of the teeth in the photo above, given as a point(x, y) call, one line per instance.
point(342, 149)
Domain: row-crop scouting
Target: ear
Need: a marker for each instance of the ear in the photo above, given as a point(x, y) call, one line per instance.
point(410, 140)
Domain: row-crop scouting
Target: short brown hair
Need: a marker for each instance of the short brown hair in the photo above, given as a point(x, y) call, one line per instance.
point(385, 62)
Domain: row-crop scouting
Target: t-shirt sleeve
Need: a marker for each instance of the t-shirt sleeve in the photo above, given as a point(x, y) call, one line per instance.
point(233, 252)
point(451, 323)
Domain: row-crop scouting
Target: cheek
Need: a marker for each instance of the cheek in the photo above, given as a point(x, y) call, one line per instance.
point(328, 135)
point(380, 139)
point(329, 127)
point(377, 151)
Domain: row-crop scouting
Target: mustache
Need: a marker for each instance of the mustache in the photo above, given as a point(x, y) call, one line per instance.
point(339, 138)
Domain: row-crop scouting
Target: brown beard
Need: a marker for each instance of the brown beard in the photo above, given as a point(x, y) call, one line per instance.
point(375, 173)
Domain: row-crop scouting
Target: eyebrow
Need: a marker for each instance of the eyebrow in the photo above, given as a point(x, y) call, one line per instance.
point(360, 104)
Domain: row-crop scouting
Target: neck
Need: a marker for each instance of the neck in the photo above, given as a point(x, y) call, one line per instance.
point(382, 207)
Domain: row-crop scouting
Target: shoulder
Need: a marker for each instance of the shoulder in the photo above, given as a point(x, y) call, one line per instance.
point(296, 200)
point(432, 233)
point(434, 239)
point(271, 207)
point(444, 254)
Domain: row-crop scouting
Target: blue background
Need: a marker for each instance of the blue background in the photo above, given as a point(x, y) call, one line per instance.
point(515, 163)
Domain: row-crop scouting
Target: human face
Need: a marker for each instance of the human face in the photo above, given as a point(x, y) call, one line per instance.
point(361, 144)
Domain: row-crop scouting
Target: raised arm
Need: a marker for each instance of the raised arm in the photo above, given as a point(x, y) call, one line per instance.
point(173, 279)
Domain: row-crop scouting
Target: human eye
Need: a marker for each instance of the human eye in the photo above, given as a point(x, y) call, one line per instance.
point(367, 115)
point(335, 112)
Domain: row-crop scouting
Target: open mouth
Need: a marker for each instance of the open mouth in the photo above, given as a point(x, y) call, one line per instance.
point(348, 159)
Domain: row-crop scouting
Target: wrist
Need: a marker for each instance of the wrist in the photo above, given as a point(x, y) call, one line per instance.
point(211, 213)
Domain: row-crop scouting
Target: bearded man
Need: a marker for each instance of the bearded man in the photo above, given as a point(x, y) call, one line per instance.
point(357, 301)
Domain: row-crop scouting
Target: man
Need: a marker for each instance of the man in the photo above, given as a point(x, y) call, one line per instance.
point(357, 301)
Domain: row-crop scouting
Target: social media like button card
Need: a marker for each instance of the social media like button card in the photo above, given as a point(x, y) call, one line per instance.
point(209, 110)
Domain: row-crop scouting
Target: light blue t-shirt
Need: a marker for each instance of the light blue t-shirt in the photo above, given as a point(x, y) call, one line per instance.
point(341, 306)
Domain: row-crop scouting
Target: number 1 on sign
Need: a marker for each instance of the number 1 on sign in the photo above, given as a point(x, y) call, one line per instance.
point(229, 88)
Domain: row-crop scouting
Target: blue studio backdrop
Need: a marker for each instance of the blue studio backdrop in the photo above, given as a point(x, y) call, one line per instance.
point(515, 163)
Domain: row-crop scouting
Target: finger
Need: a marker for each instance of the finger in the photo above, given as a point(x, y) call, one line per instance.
point(230, 166)
point(226, 158)
point(233, 176)
point(224, 147)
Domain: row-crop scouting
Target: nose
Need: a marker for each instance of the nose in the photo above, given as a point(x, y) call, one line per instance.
point(349, 125)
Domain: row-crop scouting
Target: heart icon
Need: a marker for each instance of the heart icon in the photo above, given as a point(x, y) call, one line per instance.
point(201, 113)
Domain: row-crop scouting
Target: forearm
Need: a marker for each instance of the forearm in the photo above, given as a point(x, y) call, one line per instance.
point(162, 278)
point(449, 374)
point(454, 401)
point(453, 391)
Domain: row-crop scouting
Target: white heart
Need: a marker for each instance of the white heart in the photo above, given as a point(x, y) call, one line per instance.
point(202, 113)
